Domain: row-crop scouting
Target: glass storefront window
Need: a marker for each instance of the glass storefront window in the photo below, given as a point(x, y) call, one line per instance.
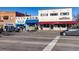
point(46, 25)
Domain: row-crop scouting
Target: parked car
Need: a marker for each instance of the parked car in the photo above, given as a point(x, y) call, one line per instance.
point(70, 32)
point(9, 28)
point(17, 29)
point(32, 29)
point(1, 30)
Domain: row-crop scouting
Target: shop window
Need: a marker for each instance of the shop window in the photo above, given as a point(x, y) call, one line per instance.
point(44, 14)
point(46, 25)
point(5, 17)
point(53, 14)
point(52, 26)
point(64, 13)
point(63, 25)
point(36, 17)
point(27, 18)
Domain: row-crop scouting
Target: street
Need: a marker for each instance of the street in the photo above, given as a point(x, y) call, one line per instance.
point(38, 41)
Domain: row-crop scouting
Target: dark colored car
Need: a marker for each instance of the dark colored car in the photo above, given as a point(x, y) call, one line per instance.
point(9, 28)
point(17, 29)
point(70, 32)
point(1, 30)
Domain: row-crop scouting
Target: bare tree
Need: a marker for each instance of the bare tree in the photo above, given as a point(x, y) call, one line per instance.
point(77, 17)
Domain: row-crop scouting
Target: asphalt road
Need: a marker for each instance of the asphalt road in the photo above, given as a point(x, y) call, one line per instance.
point(38, 41)
point(67, 43)
point(25, 41)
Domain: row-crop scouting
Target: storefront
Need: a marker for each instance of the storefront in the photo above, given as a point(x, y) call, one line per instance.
point(55, 19)
point(31, 24)
point(61, 25)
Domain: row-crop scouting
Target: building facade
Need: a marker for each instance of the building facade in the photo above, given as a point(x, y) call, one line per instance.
point(55, 19)
point(28, 22)
point(7, 18)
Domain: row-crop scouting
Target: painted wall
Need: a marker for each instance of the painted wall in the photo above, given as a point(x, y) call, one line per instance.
point(21, 20)
point(55, 18)
point(11, 18)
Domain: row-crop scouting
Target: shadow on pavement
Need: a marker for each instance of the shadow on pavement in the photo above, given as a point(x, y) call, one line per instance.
point(7, 33)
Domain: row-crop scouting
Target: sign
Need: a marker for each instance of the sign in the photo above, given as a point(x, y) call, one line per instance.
point(9, 24)
point(62, 18)
point(20, 21)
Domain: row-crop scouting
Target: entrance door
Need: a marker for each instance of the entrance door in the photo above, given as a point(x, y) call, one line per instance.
point(51, 26)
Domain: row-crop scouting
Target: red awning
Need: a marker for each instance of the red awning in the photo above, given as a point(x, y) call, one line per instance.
point(60, 22)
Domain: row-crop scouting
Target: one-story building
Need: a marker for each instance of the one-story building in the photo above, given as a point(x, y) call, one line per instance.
point(29, 22)
point(8, 18)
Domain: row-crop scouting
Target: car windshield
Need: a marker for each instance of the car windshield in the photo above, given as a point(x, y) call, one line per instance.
point(73, 29)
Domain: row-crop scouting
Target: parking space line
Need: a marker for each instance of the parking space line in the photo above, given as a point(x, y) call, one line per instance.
point(51, 45)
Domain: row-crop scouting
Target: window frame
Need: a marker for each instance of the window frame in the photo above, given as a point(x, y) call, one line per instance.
point(64, 13)
point(44, 14)
point(53, 14)
point(5, 17)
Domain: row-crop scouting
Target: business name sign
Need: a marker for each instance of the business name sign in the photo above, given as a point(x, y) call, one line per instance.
point(20, 21)
point(9, 24)
point(62, 18)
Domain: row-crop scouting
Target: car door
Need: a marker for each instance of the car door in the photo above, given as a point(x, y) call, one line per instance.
point(76, 32)
point(72, 32)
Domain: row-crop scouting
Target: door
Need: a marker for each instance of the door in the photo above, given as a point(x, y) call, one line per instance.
point(51, 26)
point(72, 32)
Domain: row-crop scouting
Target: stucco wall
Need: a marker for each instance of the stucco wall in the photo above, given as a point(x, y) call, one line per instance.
point(55, 18)
point(11, 18)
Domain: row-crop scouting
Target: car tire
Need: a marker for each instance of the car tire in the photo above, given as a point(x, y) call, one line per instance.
point(64, 34)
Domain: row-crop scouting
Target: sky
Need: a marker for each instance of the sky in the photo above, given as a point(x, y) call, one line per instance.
point(34, 10)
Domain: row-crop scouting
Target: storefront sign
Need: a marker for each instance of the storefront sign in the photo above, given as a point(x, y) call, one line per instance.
point(9, 24)
point(20, 21)
point(62, 18)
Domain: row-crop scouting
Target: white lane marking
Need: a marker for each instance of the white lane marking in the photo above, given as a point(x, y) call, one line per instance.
point(28, 37)
point(69, 38)
point(51, 45)
point(67, 45)
point(23, 42)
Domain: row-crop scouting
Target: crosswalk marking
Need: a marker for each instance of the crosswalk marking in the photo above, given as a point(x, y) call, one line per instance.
point(51, 45)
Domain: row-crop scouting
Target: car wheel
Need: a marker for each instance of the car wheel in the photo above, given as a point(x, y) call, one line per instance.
point(64, 34)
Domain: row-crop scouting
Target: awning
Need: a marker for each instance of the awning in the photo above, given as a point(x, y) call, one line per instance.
point(30, 21)
point(60, 22)
point(19, 25)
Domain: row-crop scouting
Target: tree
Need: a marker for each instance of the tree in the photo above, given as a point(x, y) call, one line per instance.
point(77, 17)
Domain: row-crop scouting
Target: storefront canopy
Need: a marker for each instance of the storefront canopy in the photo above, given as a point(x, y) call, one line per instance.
point(60, 22)
point(19, 25)
point(32, 21)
